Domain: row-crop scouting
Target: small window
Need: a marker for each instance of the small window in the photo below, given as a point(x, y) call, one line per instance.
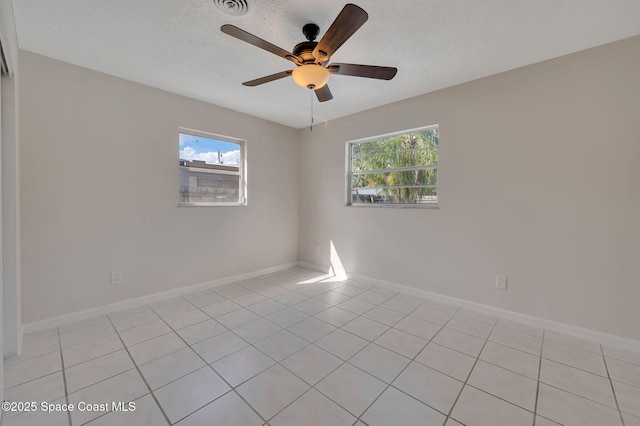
point(212, 170)
point(394, 170)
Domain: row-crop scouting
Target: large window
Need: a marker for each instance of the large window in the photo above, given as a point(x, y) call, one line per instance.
point(212, 170)
point(400, 169)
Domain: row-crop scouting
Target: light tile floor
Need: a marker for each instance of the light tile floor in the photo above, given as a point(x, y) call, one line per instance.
point(297, 348)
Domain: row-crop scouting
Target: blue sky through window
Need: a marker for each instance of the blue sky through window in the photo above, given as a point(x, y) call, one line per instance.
point(211, 151)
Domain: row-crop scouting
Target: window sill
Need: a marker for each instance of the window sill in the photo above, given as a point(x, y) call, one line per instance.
point(395, 206)
point(212, 204)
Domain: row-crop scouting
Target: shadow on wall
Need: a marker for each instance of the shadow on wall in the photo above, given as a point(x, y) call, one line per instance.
point(336, 271)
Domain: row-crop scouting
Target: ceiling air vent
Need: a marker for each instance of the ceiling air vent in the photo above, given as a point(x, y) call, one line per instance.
point(232, 7)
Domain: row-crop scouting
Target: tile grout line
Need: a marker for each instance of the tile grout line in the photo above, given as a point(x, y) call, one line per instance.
point(313, 343)
point(613, 389)
point(309, 344)
point(539, 368)
point(388, 385)
point(574, 367)
point(526, 409)
point(470, 372)
point(95, 357)
point(141, 375)
point(64, 377)
point(226, 327)
point(579, 396)
point(340, 365)
point(244, 307)
point(231, 388)
point(589, 372)
point(493, 362)
point(535, 407)
point(568, 345)
point(319, 347)
point(343, 362)
point(87, 341)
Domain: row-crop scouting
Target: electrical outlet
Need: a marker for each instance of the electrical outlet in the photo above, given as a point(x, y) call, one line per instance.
point(501, 282)
point(116, 277)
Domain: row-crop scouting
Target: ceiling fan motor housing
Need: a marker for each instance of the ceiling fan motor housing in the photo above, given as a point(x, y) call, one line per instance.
point(304, 51)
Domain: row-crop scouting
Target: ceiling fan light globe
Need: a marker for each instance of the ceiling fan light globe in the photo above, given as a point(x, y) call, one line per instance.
point(311, 76)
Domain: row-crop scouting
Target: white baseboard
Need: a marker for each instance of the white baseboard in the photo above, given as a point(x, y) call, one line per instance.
point(315, 267)
point(144, 300)
point(583, 333)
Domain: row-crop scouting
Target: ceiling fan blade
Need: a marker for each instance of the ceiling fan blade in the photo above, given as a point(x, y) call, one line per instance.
point(268, 78)
point(324, 94)
point(349, 20)
point(368, 71)
point(240, 34)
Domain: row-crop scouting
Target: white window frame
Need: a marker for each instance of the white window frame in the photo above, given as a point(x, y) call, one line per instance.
point(349, 171)
point(242, 184)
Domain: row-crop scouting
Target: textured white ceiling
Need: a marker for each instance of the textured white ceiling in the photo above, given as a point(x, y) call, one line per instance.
point(176, 45)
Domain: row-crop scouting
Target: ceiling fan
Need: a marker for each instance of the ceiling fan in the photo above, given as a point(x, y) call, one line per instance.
point(312, 58)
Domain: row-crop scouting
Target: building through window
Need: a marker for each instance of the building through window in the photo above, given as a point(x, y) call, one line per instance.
point(211, 168)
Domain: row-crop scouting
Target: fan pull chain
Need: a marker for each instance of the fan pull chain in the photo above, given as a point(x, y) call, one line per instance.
point(311, 108)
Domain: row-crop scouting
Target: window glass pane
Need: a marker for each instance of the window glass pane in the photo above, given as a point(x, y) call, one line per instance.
point(209, 150)
point(210, 170)
point(400, 169)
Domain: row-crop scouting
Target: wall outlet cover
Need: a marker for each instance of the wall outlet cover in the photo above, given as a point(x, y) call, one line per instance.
point(501, 282)
point(116, 277)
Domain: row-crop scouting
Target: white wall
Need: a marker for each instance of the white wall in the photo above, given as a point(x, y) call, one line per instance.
point(539, 179)
point(99, 192)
